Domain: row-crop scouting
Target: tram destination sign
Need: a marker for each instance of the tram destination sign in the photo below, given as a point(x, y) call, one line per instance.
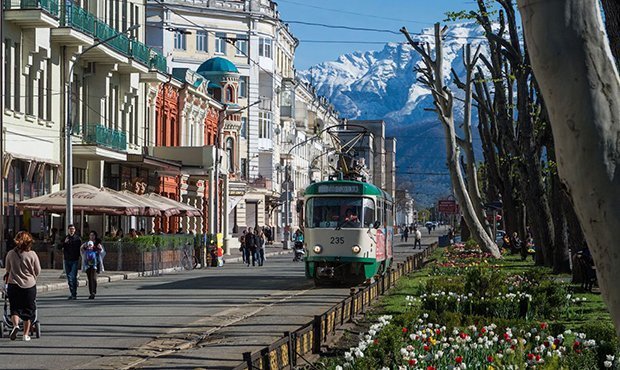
point(339, 189)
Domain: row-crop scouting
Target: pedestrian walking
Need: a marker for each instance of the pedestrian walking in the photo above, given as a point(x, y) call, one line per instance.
point(260, 248)
point(250, 247)
point(92, 253)
point(406, 233)
point(418, 238)
point(71, 250)
point(242, 245)
point(22, 269)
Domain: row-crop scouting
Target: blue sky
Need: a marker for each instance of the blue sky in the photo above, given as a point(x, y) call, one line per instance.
point(377, 14)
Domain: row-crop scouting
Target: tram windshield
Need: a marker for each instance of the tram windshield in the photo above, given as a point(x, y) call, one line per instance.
point(344, 212)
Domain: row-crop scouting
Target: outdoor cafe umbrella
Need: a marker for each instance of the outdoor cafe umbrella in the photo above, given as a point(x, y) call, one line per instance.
point(153, 207)
point(87, 199)
point(185, 209)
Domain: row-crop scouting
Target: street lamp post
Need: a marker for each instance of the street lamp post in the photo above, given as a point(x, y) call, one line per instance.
point(69, 127)
point(220, 128)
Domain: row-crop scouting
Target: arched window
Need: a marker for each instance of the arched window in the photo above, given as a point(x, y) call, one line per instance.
point(230, 152)
point(230, 96)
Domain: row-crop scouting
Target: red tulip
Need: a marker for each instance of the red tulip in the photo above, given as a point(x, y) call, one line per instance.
point(458, 359)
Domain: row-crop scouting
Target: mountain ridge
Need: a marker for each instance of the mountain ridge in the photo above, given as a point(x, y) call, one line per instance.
point(382, 84)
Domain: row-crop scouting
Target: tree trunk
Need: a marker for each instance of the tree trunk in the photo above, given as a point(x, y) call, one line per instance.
point(432, 76)
point(560, 248)
point(573, 64)
point(612, 25)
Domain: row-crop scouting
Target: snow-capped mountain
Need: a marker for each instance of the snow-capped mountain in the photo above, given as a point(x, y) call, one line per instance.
point(383, 85)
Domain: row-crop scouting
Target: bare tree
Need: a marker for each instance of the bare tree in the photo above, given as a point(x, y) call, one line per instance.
point(579, 80)
point(432, 76)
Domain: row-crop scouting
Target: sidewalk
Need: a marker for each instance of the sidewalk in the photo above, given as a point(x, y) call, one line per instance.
point(51, 280)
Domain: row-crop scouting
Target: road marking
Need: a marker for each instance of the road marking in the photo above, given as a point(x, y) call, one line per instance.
point(179, 339)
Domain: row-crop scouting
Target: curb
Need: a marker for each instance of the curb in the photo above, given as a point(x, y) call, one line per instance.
point(43, 288)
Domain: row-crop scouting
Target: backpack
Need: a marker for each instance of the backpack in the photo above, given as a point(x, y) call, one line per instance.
point(91, 258)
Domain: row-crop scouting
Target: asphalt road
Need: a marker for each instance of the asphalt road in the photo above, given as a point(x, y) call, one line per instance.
point(187, 320)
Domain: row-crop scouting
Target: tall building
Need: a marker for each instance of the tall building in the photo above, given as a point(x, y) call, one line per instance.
point(91, 47)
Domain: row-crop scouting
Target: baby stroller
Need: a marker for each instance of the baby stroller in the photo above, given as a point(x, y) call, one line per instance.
point(6, 325)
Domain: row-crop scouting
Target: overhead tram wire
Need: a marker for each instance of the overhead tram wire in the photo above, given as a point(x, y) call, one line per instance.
point(354, 13)
point(379, 30)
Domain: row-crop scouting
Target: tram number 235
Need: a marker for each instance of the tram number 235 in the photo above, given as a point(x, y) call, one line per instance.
point(337, 240)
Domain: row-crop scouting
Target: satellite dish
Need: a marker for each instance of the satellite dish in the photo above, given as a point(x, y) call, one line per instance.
point(276, 131)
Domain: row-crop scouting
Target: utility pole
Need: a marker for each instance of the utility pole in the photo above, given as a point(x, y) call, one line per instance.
point(2, 169)
point(216, 175)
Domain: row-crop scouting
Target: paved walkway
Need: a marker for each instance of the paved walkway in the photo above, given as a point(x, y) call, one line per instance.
point(51, 280)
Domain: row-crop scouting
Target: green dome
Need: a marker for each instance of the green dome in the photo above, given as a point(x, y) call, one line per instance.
point(217, 64)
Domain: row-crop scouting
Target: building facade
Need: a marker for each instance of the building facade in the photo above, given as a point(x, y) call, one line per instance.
point(196, 100)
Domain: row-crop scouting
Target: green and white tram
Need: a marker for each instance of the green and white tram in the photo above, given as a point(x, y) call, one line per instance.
point(348, 231)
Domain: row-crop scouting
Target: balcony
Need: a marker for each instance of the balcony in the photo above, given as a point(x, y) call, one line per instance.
point(99, 142)
point(32, 13)
point(80, 27)
point(100, 135)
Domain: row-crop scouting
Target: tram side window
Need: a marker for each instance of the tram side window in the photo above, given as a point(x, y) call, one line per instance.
point(369, 212)
point(389, 214)
point(380, 213)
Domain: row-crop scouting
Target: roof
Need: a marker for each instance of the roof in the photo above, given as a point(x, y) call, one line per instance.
point(217, 64)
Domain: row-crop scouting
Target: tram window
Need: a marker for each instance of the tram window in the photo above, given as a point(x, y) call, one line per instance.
point(345, 212)
point(369, 213)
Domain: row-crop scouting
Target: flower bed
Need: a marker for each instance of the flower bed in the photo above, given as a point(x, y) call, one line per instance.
point(467, 311)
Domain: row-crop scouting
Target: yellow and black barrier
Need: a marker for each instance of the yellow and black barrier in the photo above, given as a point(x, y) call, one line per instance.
point(293, 347)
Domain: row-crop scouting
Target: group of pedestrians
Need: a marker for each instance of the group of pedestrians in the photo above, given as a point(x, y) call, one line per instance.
point(91, 253)
point(253, 246)
point(414, 232)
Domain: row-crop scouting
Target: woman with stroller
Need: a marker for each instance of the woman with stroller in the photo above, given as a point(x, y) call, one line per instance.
point(92, 261)
point(22, 269)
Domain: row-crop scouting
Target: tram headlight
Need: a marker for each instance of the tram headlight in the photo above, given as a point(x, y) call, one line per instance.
point(356, 249)
point(317, 249)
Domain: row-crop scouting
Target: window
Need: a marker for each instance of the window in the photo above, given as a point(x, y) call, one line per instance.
point(230, 154)
point(201, 41)
point(243, 132)
point(7, 73)
point(17, 75)
point(345, 212)
point(264, 125)
point(180, 40)
point(230, 94)
point(243, 87)
point(220, 43)
point(264, 47)
point(242, 45)
point(244, 168)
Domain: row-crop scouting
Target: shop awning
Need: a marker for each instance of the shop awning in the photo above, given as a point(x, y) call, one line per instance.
point(159, 208)
point(185, 209)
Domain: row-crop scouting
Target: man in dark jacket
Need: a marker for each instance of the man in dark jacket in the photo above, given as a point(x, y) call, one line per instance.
point(251, 246)
point(71, 249)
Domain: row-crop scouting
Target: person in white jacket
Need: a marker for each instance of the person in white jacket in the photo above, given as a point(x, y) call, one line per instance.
point(418, 238)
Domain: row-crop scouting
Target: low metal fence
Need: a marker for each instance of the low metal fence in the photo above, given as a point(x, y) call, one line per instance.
point(292, 348)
